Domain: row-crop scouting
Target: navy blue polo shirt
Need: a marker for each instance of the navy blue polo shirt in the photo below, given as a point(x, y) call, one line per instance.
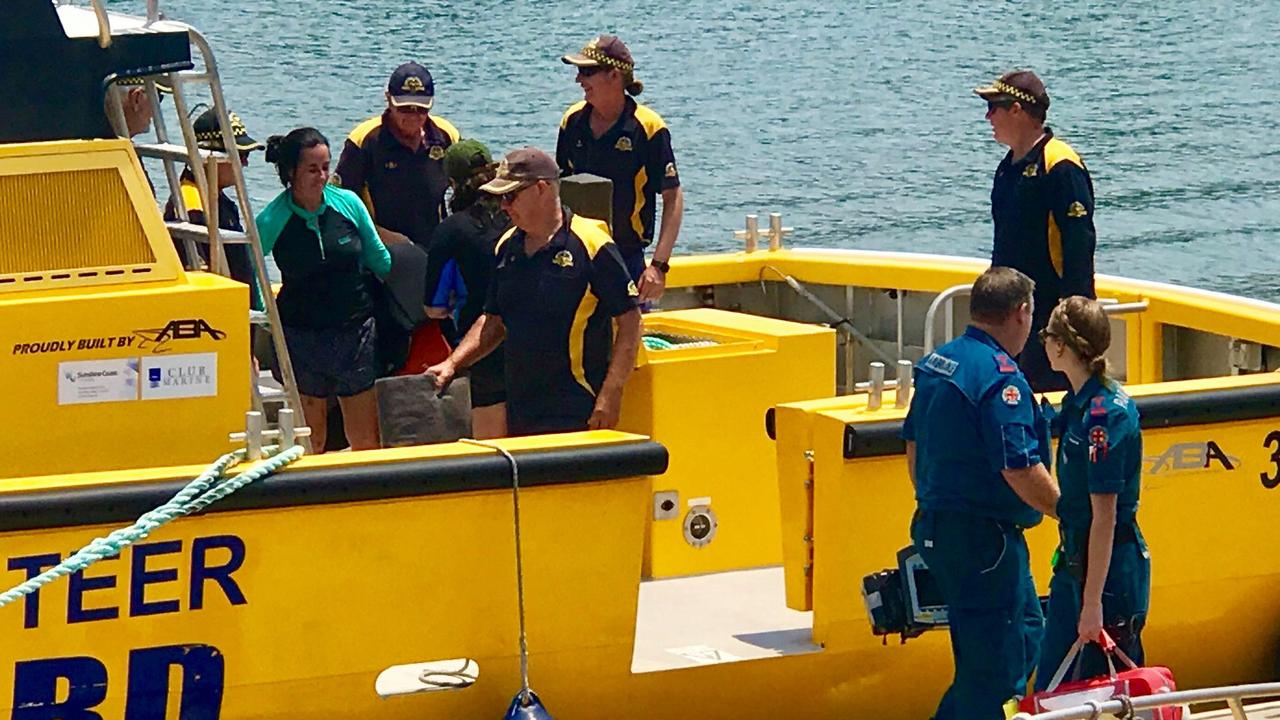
point(558, 307)
point(1042, 209)
point(1099, 452)
point(402, 188)
point(635, 154)
point(972, 416)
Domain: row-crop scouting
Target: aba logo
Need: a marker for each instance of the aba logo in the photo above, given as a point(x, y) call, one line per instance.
point(157, 340)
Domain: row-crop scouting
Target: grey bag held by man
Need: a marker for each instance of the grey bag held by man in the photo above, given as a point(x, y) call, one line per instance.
point(412, 412)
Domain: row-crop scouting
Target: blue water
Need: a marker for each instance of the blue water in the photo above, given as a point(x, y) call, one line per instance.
point(855, 121)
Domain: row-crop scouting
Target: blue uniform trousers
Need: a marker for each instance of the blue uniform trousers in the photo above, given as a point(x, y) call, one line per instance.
point(983, 572)
point(1125, 597)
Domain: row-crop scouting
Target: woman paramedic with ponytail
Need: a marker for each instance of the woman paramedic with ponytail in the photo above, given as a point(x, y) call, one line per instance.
point(1101, 570)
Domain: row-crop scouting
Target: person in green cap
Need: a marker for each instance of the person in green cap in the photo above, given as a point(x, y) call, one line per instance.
point(460, 263)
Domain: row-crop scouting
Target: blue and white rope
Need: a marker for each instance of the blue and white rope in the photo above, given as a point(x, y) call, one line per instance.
point(198, 494)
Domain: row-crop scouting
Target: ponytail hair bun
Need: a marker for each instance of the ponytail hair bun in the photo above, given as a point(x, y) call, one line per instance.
point(273, 148)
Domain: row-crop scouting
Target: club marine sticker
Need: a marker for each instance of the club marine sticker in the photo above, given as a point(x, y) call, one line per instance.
point(188, 375)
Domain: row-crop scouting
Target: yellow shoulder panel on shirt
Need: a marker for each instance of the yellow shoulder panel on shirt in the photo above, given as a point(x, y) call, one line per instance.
point(447, 127)
point(650, 120)
point(593, 233)
point(1055, 151)
point(573, 110)
point(191, 196)
point(505, 237)
point(362, 130)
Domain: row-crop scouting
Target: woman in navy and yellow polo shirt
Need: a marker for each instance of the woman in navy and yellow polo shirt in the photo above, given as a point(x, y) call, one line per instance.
point(325, 245)
point(1102, 570)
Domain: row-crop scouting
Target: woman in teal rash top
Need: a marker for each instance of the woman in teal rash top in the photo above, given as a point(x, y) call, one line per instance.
point(324, 243)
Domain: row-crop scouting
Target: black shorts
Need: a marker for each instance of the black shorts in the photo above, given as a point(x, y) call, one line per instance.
point(333, 361)
point(488, 379)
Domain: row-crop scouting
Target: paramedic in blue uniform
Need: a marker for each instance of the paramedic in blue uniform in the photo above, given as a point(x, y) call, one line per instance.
point(1102, 570)
point(609, 134)
point(560, 302)
point(1041, 207)
point(976, 445)
point(395, 161)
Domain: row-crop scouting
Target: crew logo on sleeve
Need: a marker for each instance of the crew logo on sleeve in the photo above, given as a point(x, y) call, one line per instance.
point(1011, 395)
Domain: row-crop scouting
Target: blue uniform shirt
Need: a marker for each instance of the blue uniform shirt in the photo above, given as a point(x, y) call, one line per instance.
point(1099, 451)
point(971, 417)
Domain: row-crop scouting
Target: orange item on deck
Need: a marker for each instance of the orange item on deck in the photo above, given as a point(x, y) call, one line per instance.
point(427, 348)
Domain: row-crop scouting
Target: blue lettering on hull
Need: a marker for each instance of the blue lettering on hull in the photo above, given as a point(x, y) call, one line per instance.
point(35, 691)
point(213, 562)
point(73, 688)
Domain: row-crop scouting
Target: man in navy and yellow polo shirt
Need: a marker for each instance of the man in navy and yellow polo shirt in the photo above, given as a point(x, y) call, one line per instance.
point(1042, 207)
point(395, 161)
point(610, 135)
point(558, 292)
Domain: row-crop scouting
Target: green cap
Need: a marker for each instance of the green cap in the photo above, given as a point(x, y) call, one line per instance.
point(465, 157)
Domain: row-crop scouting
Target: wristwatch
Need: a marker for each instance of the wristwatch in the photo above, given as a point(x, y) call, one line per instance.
point(665, 267)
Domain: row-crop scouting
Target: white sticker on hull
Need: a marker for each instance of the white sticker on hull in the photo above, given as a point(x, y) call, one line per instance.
point(165, 377)
point(97, 381)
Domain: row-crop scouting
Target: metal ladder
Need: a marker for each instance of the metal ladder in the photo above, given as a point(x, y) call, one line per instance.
point(203, 165)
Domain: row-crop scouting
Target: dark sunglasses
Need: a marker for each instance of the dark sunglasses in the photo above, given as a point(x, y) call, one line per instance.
point(993, 105)
point(412, 109)
point(590, 70)
point(509, 196)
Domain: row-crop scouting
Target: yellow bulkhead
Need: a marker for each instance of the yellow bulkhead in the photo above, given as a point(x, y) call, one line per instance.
point(1207, 507)
point(707, 406)
point(113, 357)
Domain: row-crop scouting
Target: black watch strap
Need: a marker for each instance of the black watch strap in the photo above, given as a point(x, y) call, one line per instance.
point(665, 267)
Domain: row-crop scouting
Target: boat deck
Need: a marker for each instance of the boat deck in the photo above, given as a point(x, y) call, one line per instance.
point(742, 615)
point(709, 619)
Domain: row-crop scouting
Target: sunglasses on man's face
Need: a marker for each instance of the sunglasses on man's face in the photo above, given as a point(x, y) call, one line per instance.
point(994, 105)
point(591, 70)
point(509, 197)
point(412, 109)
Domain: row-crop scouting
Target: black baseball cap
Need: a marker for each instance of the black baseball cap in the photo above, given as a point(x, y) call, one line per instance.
point(209, 132)
point(411, 84)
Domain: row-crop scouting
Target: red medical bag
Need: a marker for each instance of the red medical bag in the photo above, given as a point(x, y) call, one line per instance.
point(1134, 682)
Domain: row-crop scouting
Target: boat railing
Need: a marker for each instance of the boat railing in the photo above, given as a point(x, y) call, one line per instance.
point(945, 301)
point(1233, 695)
point(104, 24)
